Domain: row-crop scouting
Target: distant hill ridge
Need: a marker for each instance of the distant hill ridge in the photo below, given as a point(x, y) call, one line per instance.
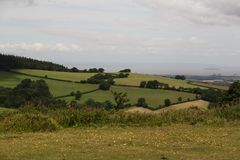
point(8, 62)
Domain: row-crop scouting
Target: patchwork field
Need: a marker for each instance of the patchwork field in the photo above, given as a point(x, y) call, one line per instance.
point(135, 79)
point(132, 80)
point(58, 75)
point(210, 85)
point(153, 97)
point(193, 142)
point(58, 88)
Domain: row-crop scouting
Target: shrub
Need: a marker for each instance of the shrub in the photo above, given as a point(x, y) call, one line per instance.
point(167, 102)
point(78, 95)
point(180, 77)
point(143, 84)
point(180, 99)
point(142, 102)
point(104, 85)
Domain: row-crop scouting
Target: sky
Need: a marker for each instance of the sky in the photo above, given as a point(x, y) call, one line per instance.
point(151, 36)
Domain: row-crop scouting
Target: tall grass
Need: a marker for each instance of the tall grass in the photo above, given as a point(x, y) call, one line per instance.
point(34, 120)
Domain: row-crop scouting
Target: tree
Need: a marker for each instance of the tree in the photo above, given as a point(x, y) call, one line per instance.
point(28, 91)
point(180, 77)
point(234, 90)
point(167, 102)
point(143, 84)
point(125, 71)
point(74, 69)
point(142, 102)
point(78, 95)
point(104, 85)
point(120, 99)
point(101, 70)
point(152, 84)
point(180, 99)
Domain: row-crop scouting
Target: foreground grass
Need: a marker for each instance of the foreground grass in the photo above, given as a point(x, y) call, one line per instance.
point(172, 142)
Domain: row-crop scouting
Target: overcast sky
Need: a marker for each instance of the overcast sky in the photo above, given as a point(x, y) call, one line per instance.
point(134, 32)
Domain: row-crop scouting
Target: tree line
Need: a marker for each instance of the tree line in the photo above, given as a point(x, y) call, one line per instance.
point(8, 62)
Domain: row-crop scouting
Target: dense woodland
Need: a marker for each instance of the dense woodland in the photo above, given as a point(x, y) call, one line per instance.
point(8, 62)
point(15, 62)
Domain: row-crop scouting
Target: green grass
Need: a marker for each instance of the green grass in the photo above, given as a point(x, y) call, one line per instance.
point(210, 85)
point(58, 75)
point(173, 142)
point(3, 110)
point(135, 79)
point(57, 88)
point(153, 97)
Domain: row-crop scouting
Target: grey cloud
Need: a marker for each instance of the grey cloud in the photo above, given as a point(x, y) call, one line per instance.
point(17, 2)
point(211, 12)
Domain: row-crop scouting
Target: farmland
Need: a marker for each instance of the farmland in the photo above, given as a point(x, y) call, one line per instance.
point(193, 142)
point(58, 75)
point(210, 85)
point(153, 97)
point(135, 79)
point(58, 88)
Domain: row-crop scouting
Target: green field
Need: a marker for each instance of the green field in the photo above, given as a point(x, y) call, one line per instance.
point(58, 75)
point(169, 143)
point(210, 85)
point(135, 79)
point(57, 88)
point(153, 97)
point(132, 80)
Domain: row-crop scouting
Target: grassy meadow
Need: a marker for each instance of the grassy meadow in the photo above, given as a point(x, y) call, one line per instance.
point(210, 85)
point(58, 88)
point(171, 142)
point(58, 75)
point(153, 97)
point(135, 79)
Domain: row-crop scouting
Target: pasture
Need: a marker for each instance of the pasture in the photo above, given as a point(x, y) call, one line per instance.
point(210, 85)
point(107, 143)
point(153, 97)
point(58, 88)
point(135, 79)
point(57, 75)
